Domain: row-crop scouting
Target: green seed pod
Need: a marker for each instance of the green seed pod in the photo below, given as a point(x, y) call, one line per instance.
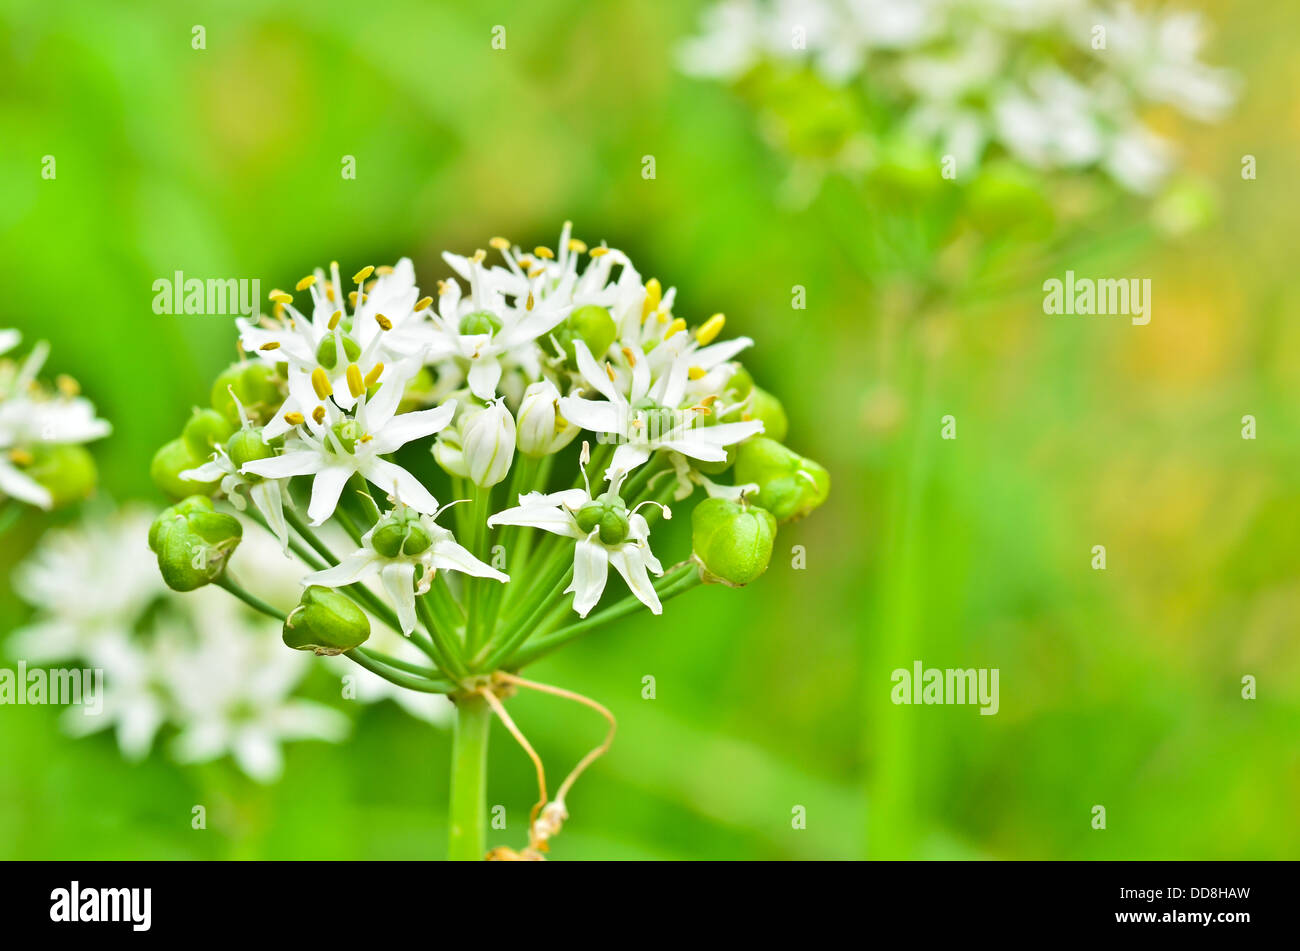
point(168, 464)
point(193, 543)
point(327, 351)
point(400, 534)
point(479, 322)
point(789, 486)
point(245, 446)
point(67, 472)
point(609, 515)
point(738, 387)
point(593, 325)
point(204, 429)
point(733, 540)
point(258, 387)
point(767, 408)
point(326, 622)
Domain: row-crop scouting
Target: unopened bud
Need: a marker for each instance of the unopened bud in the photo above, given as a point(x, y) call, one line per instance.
point(167, 465)
point(204, 429)
point(732, 540)
point(488, 442)
point(193, 543)
point(789, 485)
point(542, 431)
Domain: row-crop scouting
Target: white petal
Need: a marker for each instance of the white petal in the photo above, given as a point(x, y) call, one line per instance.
point(302, 462)
point(590, 569)
point(407, 427)
point(595, 374)
point(598, 416)
point(627, 457)
point(393, 478)
point(451, 554)
point(23, 487)
point(549, 518)
point(348, 571)
point(399, 582)
point(325, 491)
point(629, 562)
point(484, 375)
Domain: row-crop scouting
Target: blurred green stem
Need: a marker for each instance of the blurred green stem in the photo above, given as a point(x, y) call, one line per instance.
point(467, 841)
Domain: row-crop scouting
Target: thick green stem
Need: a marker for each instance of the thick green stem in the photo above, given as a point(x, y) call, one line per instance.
point(467, 840)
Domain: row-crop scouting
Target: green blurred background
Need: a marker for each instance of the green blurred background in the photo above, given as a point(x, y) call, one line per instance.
point(1119, 688)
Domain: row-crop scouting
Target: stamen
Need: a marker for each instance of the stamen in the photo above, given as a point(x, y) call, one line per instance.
point(654, 293)
point(630, 356)
point(305, 283)
point(545, 253)
point(479, 256)
point(320, 382)
point(335, 318)
point(383, 322)
point(272, 345)
point(67, 385)
point(373, 376)
point(423, 304)
point(356, 386)
point(675, 327)
point(576, 245)
point(384, 270)
point(536, 273)
point(530, 302)
point(697, 373)
point(500, 244)
point(280, 297)
point(318, 414)
point(609, 371)
point(710, 329)
point(294, 419)
point(599, 252)
point(362, 274)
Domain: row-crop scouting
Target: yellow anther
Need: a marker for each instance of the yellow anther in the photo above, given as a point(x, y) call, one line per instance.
point(674, 327)
point(697, 373)
point(280, 297)
point(442, 288)
point(661, 316)
point(305, 283)
point(599, 252)
point(21, 457)
point(710, 329)
point(479, 256)
point(545, 253)
point(631, 357)
point(423, 304)
point(352, 298)
point(318, 414)
point(501, 244)
point(576, 245)
point(320, 382)
point(356, 386)
point(335, 318)
point(384, 270)
point(383, 322)
point(654, 293)
point(373, 376)
point(294, 419)
point(271, 345)
point(67, 385)
point(609, 371)
point(329, 293)
point(536, 272)
point(362, 274)
point(366, 438)
point(528, 305)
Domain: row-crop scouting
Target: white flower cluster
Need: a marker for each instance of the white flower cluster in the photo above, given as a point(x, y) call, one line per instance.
point(201, 665)
point(34, 420)
point(509, 363)
point(1057, 84)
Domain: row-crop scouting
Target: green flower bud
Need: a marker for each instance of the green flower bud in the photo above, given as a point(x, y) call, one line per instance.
point(402, 533)
point(257, 386)
point(419, 392)
point(733, 540)
point(593, 325)
point(326, 622)
point(609, 515)
point(327, 351)
point(479, 322)
point(789, 486)
point(245, 446)
point(67, 472)
point(168, 464)
point(193, 543)
point(204, 429)
point(738, 387)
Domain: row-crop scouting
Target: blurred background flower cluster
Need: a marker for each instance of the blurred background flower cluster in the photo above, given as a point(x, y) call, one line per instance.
point(923, 298)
